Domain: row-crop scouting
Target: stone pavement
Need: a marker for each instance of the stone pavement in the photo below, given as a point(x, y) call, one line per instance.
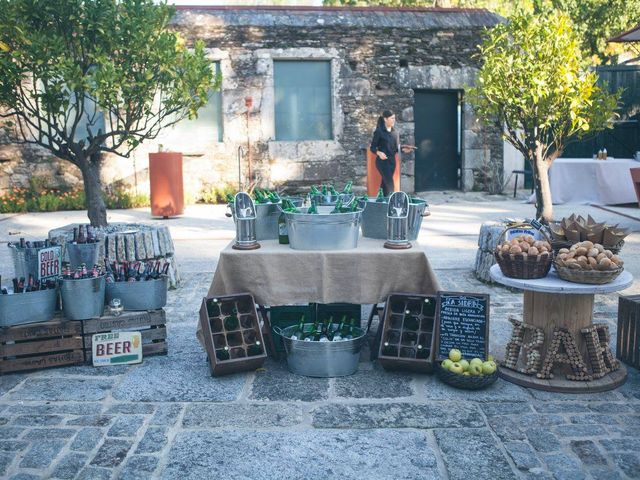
point(169, 419)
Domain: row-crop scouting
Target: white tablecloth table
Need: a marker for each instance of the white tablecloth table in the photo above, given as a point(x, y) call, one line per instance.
point(589, 181)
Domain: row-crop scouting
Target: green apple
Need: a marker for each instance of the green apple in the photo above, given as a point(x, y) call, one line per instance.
point(455, 355)
point(466, 374)
point(475, 368)
point(465, 364)
point(456, 368)
point(476, 360)
point(489, 367)
point(446, 364)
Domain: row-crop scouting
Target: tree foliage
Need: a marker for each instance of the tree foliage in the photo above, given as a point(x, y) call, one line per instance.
point(84, 77)
point(594, 20)
point(534, 84)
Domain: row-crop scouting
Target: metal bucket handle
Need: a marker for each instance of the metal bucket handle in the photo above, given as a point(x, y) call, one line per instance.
point(229, 212)
point(426, 212)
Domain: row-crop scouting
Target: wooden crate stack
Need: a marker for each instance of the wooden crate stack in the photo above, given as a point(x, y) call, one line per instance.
point(41, 345)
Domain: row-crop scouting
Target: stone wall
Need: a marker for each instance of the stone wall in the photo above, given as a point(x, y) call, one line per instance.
point(377, 60)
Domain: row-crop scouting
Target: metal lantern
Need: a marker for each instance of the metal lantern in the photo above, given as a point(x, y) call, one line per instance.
point(398, 221)
point(245, 222)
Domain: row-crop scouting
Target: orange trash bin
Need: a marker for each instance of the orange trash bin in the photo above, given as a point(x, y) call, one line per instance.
point(165, 177)
point(373, 175)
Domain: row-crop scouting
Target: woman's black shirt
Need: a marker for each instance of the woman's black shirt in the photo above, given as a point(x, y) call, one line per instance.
point(385, 141)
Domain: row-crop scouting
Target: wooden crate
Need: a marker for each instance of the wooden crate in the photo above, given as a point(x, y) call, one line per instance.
point(238, 340)
point(628, 339)
point(402, 353)
point(40, 345)
point(151, 324)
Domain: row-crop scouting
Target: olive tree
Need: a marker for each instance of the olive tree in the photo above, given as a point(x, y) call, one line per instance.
point(534, 86)
point(81, 78)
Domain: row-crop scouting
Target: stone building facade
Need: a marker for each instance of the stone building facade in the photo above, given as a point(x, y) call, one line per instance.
point(379, 59)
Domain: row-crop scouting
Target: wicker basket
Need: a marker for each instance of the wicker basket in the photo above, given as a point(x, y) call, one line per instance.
point(594, 277)
point(521, 266)
point(559, 244)
point(466, 382)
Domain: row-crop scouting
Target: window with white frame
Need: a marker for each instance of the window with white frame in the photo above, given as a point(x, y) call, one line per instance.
point(302, 91)
point(205, 129)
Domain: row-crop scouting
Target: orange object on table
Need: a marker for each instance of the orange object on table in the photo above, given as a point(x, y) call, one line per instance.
point(374, 178)
point(165, 177)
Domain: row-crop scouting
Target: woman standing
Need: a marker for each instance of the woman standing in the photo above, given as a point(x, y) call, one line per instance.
point(385, 145)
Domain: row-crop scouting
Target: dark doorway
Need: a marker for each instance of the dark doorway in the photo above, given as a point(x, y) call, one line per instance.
point(437, 131)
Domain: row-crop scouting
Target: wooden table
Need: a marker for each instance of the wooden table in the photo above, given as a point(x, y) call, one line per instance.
point(550, 305)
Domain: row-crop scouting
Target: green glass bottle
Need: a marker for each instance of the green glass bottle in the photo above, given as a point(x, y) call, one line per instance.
point(380, 197)
point(314, 190)
point(299, 334)
point(347, 187)
point(332, 190)
point(422, 352)
point(389, 350)
point(223, 354)
point(338, 207)
point(283, 230)
point(313, 208)
point(324, 190)
point(255, 349)
point(231, 322)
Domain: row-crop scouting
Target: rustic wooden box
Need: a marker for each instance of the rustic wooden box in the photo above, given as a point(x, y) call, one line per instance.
point(403, 339)
point(238, 340)
point(151, 324)
point(628, 340)
point(40, 345)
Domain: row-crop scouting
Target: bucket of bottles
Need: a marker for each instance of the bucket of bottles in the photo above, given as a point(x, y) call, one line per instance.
point(323, 230)
point(25, 259)
point(374, 218)
point(80, 253)
point(82, 298)
point(141, 295)
point(322, 359)
point(30, 307)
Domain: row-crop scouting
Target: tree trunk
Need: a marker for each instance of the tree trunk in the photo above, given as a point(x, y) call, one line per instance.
point(94, 199)
point(544, 205)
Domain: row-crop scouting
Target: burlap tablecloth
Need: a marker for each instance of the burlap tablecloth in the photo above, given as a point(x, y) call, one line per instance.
point(278, 275)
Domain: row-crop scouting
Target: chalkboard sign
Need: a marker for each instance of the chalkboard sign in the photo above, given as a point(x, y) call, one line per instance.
point(463, 323)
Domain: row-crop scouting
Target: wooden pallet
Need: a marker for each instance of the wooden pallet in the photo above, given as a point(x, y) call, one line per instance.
point(151, 324)
point(40, 345)
point(628, 340)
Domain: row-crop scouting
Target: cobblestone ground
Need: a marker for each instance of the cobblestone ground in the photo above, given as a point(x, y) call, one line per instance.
point(169, 419)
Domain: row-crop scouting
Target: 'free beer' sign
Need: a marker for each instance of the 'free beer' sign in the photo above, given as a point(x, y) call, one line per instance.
point(117, 348)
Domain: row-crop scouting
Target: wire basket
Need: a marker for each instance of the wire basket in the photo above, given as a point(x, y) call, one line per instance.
point(466, 382)
point(594, 277)
point(525, 267)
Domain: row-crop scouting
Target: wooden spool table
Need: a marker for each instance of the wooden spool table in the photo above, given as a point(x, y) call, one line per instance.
point(552, 304)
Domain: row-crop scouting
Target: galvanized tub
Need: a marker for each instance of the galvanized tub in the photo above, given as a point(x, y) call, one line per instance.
point(80, 253)
point(323, 230)
point(30, 307)
point(143, 295)
point(266, 218)
point(83, 298)
point(25, 260)
point(321, 359)
point(374, 218)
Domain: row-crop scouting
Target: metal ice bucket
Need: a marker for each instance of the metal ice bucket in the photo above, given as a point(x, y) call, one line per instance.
point(398, 218)
point(25, 260)
point(30, 307)
point(266, 218)
point(80, 253)
point(83, 298)
point(374, 218)
point(321, 359)
point(324, 230)
point(143, 295)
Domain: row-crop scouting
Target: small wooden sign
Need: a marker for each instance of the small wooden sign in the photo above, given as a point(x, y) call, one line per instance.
point(463, 323)
point(116, 348)
point(49, 263)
